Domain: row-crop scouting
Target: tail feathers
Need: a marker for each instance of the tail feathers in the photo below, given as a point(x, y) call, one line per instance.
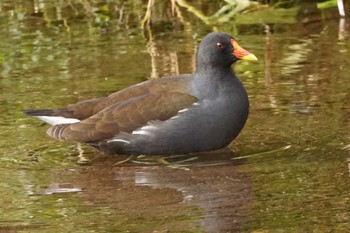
point(63, 112)
point(53, 116)
point(39, 112)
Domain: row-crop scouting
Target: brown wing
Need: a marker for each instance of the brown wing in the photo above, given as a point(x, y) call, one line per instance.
point(124, 117)
point(87, 108)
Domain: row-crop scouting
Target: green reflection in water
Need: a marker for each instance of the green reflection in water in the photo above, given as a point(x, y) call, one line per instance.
point(53, 55)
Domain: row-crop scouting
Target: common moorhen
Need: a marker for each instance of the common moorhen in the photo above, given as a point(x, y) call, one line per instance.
point(172, 115)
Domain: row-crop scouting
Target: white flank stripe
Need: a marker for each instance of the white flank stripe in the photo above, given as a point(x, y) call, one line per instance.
point(118, 140)
point(183, 110)
point(142, 132)
point(57, 120)
point(149, 127)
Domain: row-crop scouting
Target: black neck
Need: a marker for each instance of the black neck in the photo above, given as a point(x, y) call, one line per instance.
point(213, 80)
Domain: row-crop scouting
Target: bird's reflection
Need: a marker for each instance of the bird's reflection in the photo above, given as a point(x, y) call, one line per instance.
point(212, 187)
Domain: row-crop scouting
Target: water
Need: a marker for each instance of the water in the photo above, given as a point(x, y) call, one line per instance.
point(288, 171)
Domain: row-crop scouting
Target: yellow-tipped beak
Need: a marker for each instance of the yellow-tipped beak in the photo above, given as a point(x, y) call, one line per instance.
point(242, 53)
point(249, 57)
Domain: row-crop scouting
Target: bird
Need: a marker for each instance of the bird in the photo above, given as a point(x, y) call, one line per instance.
point(180, 114)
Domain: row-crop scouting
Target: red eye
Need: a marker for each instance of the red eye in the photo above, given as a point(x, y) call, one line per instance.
point(219, 45)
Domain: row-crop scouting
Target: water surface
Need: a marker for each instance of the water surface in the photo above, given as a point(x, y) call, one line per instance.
point(288, 171)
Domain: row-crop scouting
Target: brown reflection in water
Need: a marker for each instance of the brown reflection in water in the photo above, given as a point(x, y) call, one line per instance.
point(209, 197)
point(343, 33)
point(165, 62)
point(268, 67)
point(297, 68)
